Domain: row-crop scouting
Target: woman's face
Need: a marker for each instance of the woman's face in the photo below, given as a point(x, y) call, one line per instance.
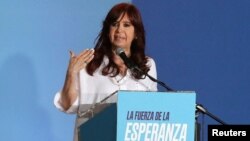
point(122, 33)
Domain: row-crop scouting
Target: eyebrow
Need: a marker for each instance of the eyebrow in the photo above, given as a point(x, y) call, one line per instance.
point(122, 22)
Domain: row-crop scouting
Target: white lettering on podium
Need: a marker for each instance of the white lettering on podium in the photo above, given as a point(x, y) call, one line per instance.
point(155, 132)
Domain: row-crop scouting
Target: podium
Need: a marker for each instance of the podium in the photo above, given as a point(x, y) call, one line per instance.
point(141, 116)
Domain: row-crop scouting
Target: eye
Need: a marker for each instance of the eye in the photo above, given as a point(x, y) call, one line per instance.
point(127, 24)
point(115, 24)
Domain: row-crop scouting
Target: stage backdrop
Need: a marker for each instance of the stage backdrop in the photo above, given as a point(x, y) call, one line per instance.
point(203, 46)
point(198, 45)
point(35, 39)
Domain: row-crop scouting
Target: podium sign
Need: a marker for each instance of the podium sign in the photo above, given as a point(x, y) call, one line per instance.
point(155, 116)
point(143, 116)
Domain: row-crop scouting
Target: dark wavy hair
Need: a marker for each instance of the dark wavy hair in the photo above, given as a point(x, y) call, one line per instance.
point(103, 45)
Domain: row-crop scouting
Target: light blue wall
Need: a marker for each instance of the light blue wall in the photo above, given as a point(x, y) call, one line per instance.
point(198, 45)
point(35, 37)
point(203, 46)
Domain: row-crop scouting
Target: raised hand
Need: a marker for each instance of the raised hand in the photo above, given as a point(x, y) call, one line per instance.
point(78, 62)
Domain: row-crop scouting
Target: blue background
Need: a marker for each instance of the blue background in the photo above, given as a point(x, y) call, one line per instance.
point(203, 46)
point(198, 45)
point(35, 39)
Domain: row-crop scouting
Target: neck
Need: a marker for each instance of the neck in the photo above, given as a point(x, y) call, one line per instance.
point(123, 70)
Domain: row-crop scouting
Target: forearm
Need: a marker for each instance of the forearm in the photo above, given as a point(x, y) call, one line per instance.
point(70, 90)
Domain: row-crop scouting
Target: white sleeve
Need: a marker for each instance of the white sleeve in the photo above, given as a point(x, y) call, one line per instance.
point(73, 108)
point(152, 72)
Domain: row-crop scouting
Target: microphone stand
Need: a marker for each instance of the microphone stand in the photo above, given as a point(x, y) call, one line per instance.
point(153, 79)
point(201, 109)
point(159, 82)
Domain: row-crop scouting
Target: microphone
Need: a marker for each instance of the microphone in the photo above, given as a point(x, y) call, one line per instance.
point(131, 65)
point(120, 51)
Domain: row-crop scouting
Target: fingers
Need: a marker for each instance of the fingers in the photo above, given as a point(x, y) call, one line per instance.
point(89, 55)
point(72, 54)
point(78, 62)
point(86, 56)
point(89, 59)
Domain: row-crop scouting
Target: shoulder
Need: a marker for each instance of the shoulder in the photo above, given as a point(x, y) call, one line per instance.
point(150, 61)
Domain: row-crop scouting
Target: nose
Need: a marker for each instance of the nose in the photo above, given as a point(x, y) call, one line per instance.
point(119, 28)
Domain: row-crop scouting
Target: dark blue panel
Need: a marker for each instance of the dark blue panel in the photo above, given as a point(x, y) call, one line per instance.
point(203, 46)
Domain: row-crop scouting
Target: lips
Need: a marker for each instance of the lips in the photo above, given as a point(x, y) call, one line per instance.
point(118, 37)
